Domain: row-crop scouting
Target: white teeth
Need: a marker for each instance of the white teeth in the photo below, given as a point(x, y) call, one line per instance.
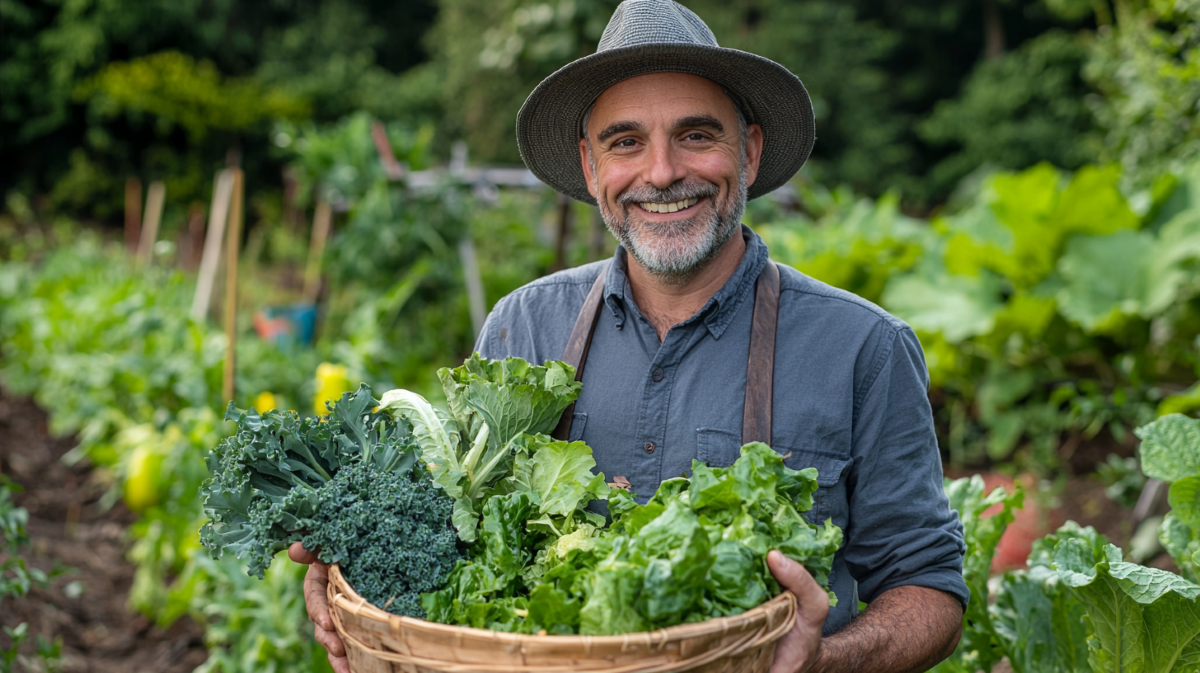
point(669, 207)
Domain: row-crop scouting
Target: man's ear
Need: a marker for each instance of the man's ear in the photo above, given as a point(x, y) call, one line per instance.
point(588, 175)
point(754, 145)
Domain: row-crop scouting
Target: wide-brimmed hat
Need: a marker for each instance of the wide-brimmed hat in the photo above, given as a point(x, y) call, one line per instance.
point(647, 36)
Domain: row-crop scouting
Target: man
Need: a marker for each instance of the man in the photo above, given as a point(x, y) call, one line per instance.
point(670, 135)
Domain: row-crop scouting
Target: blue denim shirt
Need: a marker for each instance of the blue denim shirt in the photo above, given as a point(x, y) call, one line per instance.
point(850, 398)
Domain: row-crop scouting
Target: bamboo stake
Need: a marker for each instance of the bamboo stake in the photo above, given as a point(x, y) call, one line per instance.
point(133, 213)
point(322, 222)
point(156, 195)
point(232, 243)
point(218, 213)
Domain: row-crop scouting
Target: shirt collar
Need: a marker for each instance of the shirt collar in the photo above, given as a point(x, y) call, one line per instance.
point(720, 309)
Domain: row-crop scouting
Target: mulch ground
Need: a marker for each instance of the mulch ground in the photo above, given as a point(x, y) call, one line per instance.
point(67, 527)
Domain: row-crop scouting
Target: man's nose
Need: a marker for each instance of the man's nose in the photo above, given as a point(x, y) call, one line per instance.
point(665, 166)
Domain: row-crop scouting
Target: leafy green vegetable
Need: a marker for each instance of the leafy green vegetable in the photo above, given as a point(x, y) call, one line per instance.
point(345, 485)
point(695, 551)
point(1038, 623)
point(1170, 451)
point(979, 647)
point(1144, 619)
point(493, 404)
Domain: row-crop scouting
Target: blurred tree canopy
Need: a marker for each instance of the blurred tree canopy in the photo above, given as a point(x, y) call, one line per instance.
point(909, 96)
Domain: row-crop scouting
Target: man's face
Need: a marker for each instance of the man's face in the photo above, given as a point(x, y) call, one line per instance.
point(668, 167)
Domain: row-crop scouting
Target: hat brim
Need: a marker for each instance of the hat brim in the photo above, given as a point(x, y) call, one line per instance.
point(548, 125)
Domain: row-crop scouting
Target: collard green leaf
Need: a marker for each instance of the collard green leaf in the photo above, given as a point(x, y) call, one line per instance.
point(1170, 447)
point(560, 475)
point(436, 434)
point(1184, 497)
point(1144, 619)
point(1039, 624)
point(957, 307)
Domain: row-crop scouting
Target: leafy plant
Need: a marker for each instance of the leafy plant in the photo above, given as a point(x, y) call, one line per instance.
point(694, 551)
point(344, 485)
point(492, 405)
point(1171, 452)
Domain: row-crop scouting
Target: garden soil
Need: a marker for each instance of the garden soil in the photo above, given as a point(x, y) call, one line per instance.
point(68, 527)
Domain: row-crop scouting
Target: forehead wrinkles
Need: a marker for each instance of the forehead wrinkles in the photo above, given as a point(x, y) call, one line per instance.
point(657, 100)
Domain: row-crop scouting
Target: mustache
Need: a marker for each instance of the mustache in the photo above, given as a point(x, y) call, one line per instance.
point(676, 192)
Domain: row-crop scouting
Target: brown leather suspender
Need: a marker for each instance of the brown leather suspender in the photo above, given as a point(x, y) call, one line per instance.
point(760, 366)
point(578, 344)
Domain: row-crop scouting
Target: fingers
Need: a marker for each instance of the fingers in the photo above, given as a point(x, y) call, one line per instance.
point(316, 580)
point(331, 641)
point(299, 554)
point(339, 664)
point(811, 599)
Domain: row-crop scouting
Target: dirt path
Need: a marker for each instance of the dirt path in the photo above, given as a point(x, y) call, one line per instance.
point(99, 634)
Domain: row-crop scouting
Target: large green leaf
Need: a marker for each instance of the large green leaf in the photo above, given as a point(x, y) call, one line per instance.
point(1108, 277)
point(560, 475)
point(957, 307)
point(1145, 620)
point(1170, 447)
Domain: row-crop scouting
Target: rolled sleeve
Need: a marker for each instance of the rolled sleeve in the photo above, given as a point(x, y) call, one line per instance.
point(901, 530)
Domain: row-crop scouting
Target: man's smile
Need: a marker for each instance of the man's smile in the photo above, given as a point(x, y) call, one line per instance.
point(672, 207)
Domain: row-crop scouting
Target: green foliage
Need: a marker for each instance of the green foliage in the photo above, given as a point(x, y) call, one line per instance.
point(978, 647)
point(694, 551)
point(493, 404)
point(16, 579)
point(254, 625)
point(177, 89)
point(1016, 111)
point(1079, 608)
point(1171, 452)
point(269, 479)
point(1047, 305)
point(1147, 66)
point(1143, 619)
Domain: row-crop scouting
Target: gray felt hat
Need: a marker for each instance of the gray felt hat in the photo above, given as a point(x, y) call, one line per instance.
point(647, 36)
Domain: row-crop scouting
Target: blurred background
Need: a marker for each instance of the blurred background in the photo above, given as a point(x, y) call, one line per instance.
point(332, 190)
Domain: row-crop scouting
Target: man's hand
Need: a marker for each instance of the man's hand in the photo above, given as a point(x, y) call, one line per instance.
point(315, 582)
point(798, 648)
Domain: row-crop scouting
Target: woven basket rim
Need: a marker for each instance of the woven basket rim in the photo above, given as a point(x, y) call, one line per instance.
point(348, 599)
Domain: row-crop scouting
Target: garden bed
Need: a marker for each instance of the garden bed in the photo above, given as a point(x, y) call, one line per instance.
point(67, 526)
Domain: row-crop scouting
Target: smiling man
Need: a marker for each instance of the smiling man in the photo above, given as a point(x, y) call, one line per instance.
point(691, 342)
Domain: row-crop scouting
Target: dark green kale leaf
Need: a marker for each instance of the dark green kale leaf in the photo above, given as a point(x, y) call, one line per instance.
point(267, 478)
point(391, 533)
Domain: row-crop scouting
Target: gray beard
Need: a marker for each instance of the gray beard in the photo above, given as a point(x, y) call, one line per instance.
point(677, 251)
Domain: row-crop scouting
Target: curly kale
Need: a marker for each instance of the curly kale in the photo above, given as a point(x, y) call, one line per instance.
point(392, 534)
point(343, 484)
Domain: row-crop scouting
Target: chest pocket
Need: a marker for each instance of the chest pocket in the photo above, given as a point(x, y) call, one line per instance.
point(719, 448)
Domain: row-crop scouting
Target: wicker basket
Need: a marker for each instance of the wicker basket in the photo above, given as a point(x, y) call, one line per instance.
point(379, 642)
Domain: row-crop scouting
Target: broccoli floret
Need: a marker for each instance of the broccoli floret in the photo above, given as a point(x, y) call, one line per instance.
point(391, 533)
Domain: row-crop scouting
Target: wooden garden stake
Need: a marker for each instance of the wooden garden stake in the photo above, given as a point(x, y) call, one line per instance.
point(322, 222)
point(195, 237)
point(218, 212)
point(232, 243)
point(133, 213)
point(564, 233)
point(474, 281)
point(155, 197)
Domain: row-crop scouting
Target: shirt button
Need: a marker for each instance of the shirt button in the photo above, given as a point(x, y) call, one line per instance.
point(649, 447)
point(657, 375)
